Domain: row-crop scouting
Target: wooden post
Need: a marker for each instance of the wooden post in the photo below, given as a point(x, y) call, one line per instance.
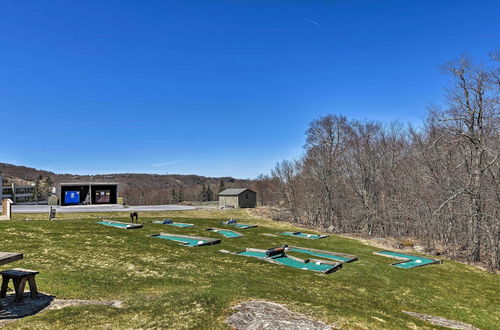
point(52, 213)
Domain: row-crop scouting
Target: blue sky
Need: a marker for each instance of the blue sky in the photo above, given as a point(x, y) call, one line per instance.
point(216, 88)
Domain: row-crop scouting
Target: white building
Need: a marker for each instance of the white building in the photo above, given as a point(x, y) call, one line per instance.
point(17, 193)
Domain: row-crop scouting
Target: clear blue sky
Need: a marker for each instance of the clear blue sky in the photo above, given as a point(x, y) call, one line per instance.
point(216, 87)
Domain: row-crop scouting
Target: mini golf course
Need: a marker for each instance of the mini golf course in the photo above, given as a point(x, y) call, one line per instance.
point(408, 261)
point(118, 224)
point(166, 285)
point(174, 224)
point(185, 240)
point(226, 232)
point(302, 235)
point(315, 265)
point(342, 257)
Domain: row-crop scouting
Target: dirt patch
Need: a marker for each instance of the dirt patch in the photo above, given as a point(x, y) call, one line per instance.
point(255, 314)
point(269, 235)
point(442, 321)
point(11, 311)
point(61, 303)
point(385, 243)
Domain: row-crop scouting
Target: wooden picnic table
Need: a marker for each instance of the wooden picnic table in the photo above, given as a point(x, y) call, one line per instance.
point(8, 257)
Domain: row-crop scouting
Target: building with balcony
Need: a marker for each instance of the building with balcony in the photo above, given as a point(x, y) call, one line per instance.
point(19, 194)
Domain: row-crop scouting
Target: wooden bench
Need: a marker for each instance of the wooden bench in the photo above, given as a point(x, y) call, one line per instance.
point(19, 277)
point(8, 257)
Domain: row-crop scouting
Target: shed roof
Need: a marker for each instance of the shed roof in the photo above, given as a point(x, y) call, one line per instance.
point(88, 184)
point(233, 191)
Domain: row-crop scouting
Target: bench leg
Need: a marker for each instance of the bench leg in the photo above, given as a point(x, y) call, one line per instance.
point(20, 285)
point(5, 284)
point(15, 282)
point(33, 288)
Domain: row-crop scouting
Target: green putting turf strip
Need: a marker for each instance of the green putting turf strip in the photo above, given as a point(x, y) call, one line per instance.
point(175, 224)
point(317, 266)
point(227, 233)
point(302, 235)
point(185, 240)
point(239, 225)
point(284, 260)
point(179, 224)
point(413, 261)
point(115, 224)
point(253, 254)
point(318, 254)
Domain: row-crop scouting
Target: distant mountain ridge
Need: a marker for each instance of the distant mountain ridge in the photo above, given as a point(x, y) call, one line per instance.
point(136, 188)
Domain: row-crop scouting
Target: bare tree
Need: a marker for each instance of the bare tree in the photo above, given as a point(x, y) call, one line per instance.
point(439, 184)
point(471, 118)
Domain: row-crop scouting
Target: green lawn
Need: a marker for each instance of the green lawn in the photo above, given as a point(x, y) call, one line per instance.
point(165, 285)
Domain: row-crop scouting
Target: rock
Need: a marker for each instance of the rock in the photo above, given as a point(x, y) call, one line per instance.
point(441, 321)
point(255, 314)
point(419, 248)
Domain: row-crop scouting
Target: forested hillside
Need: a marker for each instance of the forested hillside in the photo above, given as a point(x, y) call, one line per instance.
point(438, 183)
point(142, 188)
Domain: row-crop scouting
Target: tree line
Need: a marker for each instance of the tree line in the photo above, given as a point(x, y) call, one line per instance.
point(42, 189)
point(177, 193)
point(438, 183)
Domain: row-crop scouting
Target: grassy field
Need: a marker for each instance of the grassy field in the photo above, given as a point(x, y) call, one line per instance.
point(164, 285)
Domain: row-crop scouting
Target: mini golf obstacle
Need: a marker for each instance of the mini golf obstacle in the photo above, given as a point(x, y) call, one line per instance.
point(118, 224)
point(170, 222)
point(302, 235)
point(226, 232)
point(408, 261)
point(185, 240)
point(233, 222)
point(279, 257)
point(341, 257)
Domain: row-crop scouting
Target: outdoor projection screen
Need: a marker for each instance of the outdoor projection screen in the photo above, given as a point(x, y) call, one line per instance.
point(102, 196)
point(71, 197)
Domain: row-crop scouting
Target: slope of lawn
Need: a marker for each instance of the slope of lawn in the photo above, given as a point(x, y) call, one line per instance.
point(165, 285)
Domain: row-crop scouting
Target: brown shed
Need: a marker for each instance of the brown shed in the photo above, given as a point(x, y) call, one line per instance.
point(238, 198)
